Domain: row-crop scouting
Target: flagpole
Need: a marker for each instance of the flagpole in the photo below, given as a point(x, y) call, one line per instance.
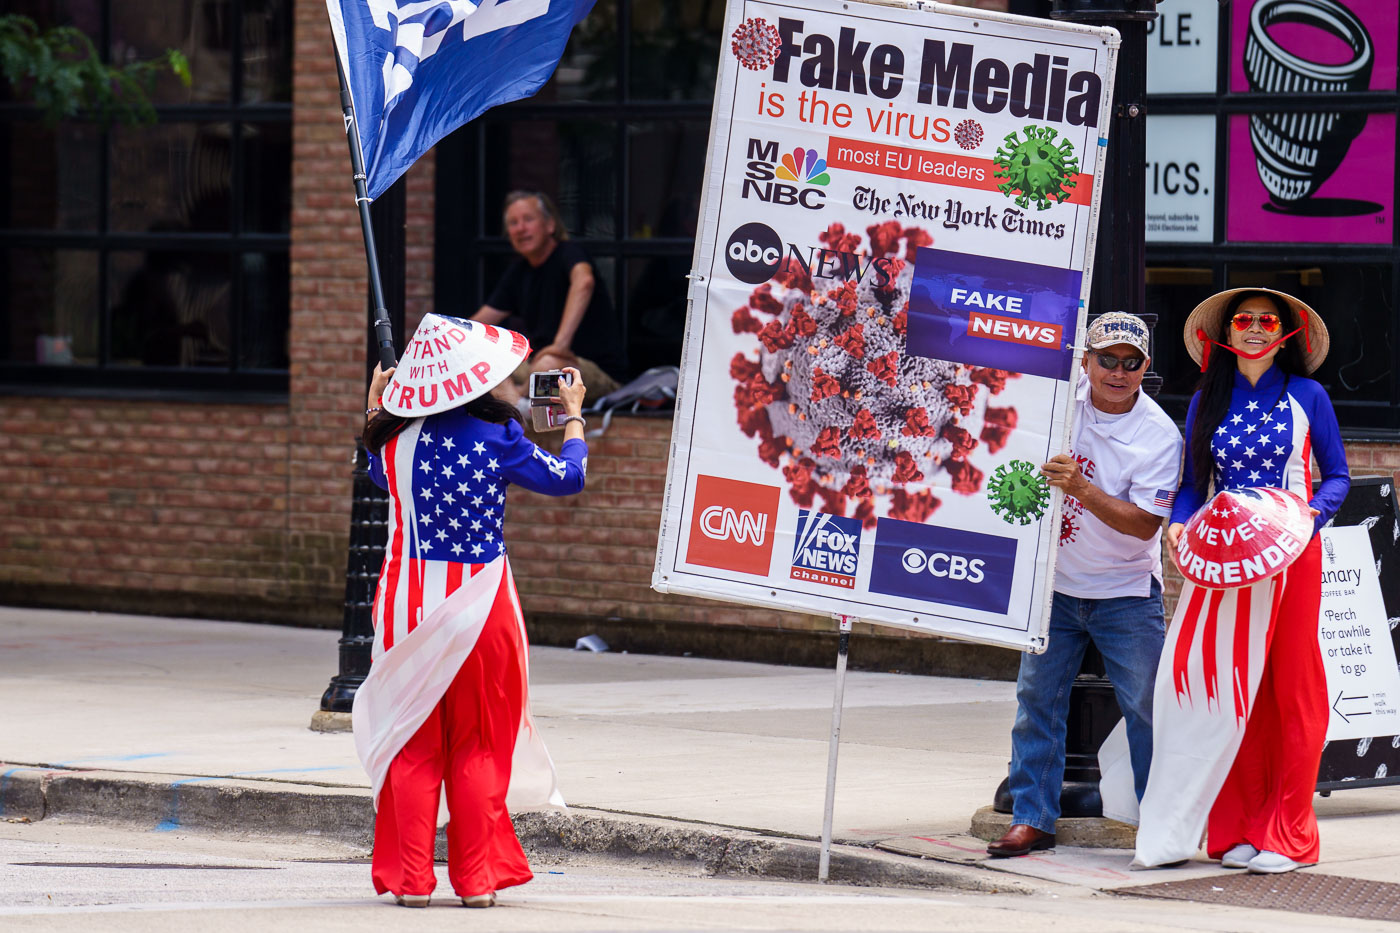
point(383, 330)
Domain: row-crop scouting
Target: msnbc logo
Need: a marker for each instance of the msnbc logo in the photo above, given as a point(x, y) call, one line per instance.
point(803, 165)
point(797, 177)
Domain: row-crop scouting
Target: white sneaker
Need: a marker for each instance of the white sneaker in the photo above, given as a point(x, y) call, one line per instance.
point(1239, 856)
point(1272, 863)
point(412, 900)
point(480, 900)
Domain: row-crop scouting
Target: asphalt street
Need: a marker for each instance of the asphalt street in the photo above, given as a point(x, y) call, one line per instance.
point(82, 877)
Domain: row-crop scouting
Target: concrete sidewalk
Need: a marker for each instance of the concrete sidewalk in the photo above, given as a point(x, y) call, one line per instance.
point(180, 723)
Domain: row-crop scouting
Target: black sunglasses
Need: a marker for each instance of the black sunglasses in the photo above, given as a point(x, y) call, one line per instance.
point(1130, 365)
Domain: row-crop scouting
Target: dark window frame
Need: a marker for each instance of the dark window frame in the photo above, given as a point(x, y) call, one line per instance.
point(468, 230)
point(233, 383)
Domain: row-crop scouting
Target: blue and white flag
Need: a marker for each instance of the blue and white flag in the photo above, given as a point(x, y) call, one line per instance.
point(418, 69)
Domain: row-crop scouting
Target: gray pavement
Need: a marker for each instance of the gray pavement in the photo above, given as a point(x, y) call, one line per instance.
point(169, 724)
point(79, 877)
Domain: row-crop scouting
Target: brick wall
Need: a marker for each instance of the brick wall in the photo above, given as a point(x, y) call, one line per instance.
point(224, 510)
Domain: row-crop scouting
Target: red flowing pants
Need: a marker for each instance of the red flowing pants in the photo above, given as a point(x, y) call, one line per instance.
point(1267, 797)
point(466, 744)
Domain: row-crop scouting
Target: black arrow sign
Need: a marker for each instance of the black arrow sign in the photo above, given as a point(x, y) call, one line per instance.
point(1340, 698)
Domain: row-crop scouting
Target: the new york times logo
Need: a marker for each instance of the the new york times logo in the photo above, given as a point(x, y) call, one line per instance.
point(826, 549)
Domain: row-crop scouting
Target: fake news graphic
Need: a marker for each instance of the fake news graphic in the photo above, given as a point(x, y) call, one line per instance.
point(885, 298)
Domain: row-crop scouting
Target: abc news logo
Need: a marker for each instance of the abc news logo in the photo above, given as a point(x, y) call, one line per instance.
point(731, 524)
point(753, 253)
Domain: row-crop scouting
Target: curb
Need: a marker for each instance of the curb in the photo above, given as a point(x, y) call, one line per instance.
point(155, 802)
point(1094, 832)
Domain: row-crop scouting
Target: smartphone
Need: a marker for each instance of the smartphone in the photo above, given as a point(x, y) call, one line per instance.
point(545, 385)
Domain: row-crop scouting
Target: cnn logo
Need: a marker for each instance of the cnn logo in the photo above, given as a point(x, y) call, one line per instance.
point(731, 524)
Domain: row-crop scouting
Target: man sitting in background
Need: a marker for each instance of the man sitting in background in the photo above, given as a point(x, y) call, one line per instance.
point(552, 295)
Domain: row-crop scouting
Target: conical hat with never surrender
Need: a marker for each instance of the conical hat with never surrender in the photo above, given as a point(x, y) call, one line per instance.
point(449, 362)
point(1242, 536)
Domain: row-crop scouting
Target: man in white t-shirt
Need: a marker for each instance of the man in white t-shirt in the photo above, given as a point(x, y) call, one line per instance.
point(1119, 480)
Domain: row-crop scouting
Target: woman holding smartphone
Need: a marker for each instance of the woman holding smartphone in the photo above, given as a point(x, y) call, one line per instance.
point(446, 703)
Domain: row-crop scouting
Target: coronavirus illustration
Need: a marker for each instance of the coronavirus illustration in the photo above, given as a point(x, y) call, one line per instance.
point(1069, 528)
point(1036, 168)
point(756, 44)
point(968, 134)
point(834, 400)
point(1018, 493)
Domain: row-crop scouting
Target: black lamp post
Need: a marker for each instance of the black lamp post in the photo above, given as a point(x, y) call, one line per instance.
point(369, 512)
point(1119, 284)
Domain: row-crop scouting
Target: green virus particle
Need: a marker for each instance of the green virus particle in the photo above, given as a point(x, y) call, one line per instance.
point(1036, 168)
point(1017, 492)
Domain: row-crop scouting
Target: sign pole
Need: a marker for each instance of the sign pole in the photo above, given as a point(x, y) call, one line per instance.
point(384, 332)
point(824, 865)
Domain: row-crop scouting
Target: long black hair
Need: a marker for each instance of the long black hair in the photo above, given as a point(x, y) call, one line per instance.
point(384, 427)
point(1218, 381)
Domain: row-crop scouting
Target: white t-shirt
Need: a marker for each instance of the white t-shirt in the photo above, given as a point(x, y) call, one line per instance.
point(1136, 457)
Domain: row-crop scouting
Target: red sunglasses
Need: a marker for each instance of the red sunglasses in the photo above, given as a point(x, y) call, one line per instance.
point(1244, 320)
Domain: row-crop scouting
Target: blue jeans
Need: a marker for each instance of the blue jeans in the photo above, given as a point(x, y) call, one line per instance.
point(1128, 631)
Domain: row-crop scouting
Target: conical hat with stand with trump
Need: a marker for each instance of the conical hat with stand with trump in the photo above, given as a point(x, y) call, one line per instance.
point(449, 362)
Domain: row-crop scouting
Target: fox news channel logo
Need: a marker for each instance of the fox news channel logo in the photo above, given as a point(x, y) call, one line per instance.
point(826, 549)
point(943, 565)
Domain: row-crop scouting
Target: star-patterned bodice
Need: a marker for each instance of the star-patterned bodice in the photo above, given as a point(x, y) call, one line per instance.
point(453, 506)
point(1268, 437)
point(1252, 444)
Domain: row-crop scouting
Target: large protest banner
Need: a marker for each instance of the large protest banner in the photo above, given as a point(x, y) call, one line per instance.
point(889, 287)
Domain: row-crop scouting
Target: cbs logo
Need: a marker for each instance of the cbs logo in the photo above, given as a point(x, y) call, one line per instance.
point(753, 253)
point(938, 564)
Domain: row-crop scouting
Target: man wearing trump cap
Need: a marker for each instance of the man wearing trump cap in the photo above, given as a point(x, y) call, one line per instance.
point(1119, 480)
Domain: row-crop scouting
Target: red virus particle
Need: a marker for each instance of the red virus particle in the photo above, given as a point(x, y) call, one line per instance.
point(993, 379)
point(915, 507)
point(1068, 528)
point(963, 442)
point(968, 134)
point(828, 443)
point(864, 427)
point(745, 322)
point(756, 44)
point(997, 425)
point(823, 386)
point(916, 424)
point(885, 368)
point(834, 400)
point(966, 478)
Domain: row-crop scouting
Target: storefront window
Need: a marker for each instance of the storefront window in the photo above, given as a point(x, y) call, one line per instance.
point(618, 139)
point(155, 256)
point(1284, 179)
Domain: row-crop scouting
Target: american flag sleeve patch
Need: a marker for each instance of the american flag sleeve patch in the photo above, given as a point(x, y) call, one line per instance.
point(1164, 498)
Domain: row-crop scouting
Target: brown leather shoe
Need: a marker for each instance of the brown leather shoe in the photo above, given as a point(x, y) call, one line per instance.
point(1021, 839)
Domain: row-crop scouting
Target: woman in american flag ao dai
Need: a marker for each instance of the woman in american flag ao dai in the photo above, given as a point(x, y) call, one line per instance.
point(444, 712)
point(1240, 708)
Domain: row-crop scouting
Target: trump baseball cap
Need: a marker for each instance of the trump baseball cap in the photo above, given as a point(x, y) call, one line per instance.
point(1118, 327)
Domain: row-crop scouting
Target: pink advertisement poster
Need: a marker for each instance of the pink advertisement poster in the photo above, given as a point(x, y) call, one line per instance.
point(1315, 177)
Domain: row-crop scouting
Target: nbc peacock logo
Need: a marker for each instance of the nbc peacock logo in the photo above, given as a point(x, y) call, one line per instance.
point(804, 166)
point(795, 177)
